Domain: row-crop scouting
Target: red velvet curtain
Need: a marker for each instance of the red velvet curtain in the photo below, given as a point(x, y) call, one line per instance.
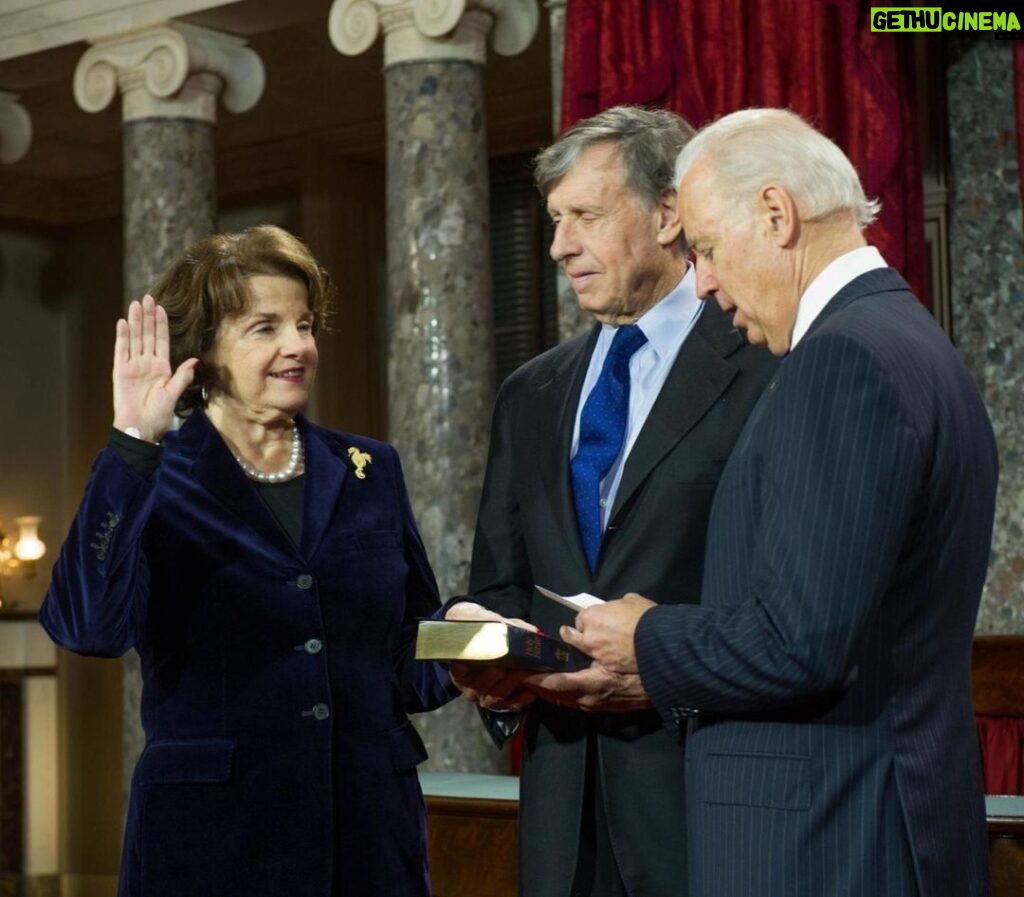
point(820, 59)
point(1001, 739)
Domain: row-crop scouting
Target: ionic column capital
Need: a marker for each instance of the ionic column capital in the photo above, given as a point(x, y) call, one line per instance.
point(171, 70)
point(429, 30)
point(15, 128)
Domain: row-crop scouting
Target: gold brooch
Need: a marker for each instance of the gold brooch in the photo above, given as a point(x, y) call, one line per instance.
point(360, 460)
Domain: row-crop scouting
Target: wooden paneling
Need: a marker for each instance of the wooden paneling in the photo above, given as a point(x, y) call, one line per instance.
point(343, 212)
point(998, 675)
point(1006, 856)
point(472, 845)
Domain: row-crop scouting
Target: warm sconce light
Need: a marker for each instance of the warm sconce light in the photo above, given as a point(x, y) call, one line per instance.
point(19, 555)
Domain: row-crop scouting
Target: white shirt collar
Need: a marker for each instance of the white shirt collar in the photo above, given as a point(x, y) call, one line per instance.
point(836, 275)
point(668, 321)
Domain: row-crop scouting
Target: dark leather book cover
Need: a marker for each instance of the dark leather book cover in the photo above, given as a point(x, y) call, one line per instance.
point(493, 643)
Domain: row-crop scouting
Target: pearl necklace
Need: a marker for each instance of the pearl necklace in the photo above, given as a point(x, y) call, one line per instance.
point(280, 476)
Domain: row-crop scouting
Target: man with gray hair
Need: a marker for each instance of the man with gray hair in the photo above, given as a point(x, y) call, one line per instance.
point(827, 668)
point(605, 453)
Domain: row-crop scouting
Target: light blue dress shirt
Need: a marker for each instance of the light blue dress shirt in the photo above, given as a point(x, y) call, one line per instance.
point(666, 327)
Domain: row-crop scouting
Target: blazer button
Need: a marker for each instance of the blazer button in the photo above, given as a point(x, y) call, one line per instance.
point(313, 646)
point(321, 711)
point(304, 581)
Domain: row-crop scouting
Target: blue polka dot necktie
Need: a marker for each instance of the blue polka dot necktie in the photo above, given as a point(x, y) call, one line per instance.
point(602, 430)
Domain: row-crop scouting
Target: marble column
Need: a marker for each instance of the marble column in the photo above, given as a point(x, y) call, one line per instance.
point(15, 128)
point(556, 27)
point(438, 306)
point(988, 291)
point(169, 77)
point(571, 319)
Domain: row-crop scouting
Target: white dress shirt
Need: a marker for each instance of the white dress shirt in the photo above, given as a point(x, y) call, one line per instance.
point(666, 327)
point(836, 275)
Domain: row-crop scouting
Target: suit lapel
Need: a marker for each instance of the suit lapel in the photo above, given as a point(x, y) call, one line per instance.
point(879, 280)
point(216, 470)
point(555, 410)
point(327, 471)
point(698, 378)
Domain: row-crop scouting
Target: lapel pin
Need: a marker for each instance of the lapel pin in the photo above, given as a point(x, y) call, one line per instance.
point(360, 460)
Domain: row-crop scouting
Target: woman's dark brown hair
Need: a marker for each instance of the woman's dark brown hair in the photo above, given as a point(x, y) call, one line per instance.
point(208, 284)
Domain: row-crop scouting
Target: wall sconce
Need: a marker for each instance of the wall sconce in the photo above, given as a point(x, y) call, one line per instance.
point(18, 554)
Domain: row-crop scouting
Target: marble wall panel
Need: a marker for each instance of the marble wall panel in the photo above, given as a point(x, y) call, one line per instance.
point(170, 198)
point(440, 332)
point(987, 276)
point(170, 201)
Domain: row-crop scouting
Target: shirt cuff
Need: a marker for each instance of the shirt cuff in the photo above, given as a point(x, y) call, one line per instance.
point(141, 456)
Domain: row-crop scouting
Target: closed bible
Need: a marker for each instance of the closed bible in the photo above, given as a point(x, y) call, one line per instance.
point(493, 643)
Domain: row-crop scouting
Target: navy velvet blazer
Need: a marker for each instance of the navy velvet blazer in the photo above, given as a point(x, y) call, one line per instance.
point(654, 543)
point(276, 677)
point(828, 668)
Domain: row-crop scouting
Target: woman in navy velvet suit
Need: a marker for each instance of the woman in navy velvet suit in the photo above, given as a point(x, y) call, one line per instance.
point(270, 575)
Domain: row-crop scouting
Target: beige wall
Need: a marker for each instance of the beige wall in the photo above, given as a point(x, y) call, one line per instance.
point(33, 335)
point(59, 298)
point(89, 688)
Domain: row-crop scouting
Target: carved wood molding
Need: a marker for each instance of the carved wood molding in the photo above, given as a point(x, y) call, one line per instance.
point(997, 672)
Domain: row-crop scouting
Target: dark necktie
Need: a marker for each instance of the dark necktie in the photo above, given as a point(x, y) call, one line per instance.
point(602, 429)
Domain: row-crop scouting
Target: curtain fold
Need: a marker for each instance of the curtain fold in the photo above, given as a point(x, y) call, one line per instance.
point(1001, 740)
point(820, 59)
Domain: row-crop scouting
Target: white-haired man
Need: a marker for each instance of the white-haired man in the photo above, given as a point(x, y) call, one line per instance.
point(827, 670)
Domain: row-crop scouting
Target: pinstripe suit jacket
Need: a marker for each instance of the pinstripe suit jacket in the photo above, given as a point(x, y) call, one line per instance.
point(828, 667)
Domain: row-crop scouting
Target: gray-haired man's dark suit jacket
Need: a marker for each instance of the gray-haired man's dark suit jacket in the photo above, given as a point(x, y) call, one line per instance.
point(527, 534)
point(834, 752)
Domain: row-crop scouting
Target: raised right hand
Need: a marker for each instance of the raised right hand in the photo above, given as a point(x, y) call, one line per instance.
point(145, 390)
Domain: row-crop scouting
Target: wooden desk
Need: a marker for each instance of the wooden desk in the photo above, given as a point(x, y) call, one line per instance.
point(472, 839)
point(1006, 844)
point(997, 675)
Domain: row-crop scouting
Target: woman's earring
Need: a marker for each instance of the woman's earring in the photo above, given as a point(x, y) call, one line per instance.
point(205, 393)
